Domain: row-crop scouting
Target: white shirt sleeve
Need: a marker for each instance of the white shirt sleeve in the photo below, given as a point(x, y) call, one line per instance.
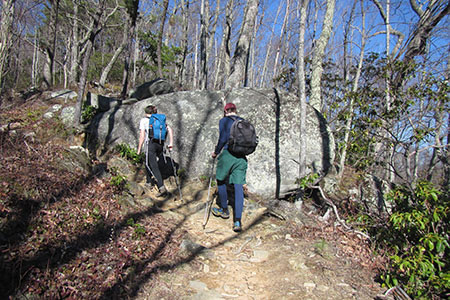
point(144, 124)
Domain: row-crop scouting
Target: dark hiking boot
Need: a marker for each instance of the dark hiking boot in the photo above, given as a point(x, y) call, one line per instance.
point(220, 212)
point(162, 191)
point(237, 227)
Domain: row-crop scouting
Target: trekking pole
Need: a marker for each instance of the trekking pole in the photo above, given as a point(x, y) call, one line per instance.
point(208, 203)
point(175, 174)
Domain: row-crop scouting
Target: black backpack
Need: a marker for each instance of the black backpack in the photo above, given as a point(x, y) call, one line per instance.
point(243, 139)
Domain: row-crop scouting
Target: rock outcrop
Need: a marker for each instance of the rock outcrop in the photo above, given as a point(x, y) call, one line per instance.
point(152, 88)
point(195, 115)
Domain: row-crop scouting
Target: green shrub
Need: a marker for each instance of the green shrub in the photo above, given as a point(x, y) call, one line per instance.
point(118, 181)
point(130, 154)
point(417, 237)
point(307, 180)
point(139, 230)
point(88, 112)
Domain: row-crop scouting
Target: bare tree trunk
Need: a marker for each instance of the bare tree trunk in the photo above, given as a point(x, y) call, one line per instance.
point(253, 52)
point(348, 39)
point(204, 37)
point(119, 50)
point(50, 49)
point(224, 56)
point(184, 42)
point(135, 55)
point(98, 21)
point(6, 32)
point(74, 59)
point(160, 37)
point(318, 55)
point(239, 63)
point(282, 36)
point(66, 60)
point(446, 157)
point(302, 88)
point(387, 152)
point(55, 32)
point(390, 150)
point(35, 63)
point(196, 75)
point(126, 68)
point(83, 79)
point(349, 120)
point(211, 39)
point(47, 71)
point(132, 14)
point(268, 50)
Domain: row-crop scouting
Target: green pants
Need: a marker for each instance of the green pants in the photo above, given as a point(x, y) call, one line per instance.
point(232, 166)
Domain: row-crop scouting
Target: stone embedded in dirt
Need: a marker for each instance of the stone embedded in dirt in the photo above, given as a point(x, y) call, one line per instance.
point(187, 245)
point(198, 285)
point(309, 285)
point(259, 256)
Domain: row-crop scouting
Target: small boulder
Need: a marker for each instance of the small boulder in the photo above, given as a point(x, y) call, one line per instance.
point(152, 88)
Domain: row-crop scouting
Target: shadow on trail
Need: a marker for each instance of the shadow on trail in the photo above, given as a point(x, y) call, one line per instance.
point(15, 232)
point(133, 282)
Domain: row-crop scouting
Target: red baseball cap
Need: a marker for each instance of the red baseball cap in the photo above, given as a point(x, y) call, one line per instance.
point(229, 106)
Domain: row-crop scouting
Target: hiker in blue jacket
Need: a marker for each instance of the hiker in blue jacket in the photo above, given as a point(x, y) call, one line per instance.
point(229, 167)
point(154, 148)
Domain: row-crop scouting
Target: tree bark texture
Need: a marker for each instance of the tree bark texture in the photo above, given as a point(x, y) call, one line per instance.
point(74, 50)
point(204, 38)
point(160, 37)
point(318, 56)
point(184, 42)
point(269, 48)
point(130, 28)
point(6, 32)
point(281, 44)
point(351, 100)
point(238, 72)
point(119, 50)
point(302, 88)
point(223, 68)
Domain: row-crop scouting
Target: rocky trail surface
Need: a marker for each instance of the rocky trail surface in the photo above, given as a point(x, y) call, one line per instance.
point(295, 258)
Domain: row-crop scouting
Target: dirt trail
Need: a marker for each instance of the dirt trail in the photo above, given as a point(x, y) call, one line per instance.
point(264, 261)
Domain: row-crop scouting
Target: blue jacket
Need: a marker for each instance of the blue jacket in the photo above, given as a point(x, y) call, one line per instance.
point(224, 133)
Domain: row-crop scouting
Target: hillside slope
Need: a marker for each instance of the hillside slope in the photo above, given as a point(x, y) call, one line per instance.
point(75, 226)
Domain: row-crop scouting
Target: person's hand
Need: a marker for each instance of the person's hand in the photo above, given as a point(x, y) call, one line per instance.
point(170, 148)
point(214, 155)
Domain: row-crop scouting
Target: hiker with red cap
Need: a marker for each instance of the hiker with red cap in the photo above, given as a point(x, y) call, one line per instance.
point(231, 167)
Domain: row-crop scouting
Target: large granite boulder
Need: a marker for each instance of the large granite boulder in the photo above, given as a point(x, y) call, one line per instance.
point(195, 115)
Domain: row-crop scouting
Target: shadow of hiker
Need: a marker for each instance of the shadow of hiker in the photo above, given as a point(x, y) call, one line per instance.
point(167, 166)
